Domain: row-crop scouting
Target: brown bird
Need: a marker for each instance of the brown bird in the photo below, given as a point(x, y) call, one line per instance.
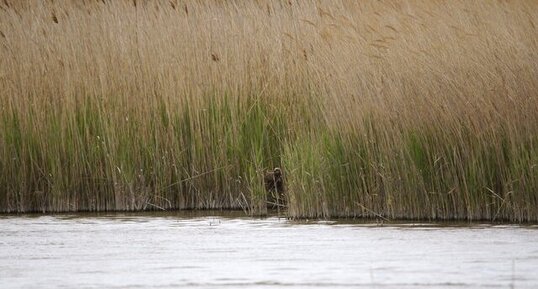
point(274, 185)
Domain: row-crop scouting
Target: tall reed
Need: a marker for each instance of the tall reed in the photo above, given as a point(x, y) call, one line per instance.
point(423, 109)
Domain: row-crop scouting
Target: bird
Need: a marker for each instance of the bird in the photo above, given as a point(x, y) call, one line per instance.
point(274, 185)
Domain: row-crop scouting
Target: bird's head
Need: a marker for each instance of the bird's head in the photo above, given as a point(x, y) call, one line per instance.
point(277, 172)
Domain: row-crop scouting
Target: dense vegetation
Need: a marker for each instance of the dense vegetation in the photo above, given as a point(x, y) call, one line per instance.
point(422, 109)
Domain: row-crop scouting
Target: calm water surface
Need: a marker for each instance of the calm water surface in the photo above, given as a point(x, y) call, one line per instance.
point(185, 250)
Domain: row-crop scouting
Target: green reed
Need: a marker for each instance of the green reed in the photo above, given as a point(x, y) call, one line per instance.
point(372, 109)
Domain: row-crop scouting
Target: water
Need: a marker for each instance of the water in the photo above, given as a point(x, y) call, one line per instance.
point(182, 250)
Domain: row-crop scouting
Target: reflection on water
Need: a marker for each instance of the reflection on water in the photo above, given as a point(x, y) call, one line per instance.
point(227, 250)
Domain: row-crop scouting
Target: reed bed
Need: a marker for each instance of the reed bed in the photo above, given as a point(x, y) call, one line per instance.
point(407, 109)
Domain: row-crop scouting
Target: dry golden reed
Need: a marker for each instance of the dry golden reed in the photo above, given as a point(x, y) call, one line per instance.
point(386, 109)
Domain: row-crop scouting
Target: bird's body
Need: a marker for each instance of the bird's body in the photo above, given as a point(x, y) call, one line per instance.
point(274, 185)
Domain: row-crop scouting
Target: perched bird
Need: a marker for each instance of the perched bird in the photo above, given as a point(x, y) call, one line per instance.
point(274, 185)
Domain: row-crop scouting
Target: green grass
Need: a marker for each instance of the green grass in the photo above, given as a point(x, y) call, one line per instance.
point(214, 157)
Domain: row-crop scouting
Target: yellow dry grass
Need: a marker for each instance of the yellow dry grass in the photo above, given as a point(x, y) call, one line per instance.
point(441, 96)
